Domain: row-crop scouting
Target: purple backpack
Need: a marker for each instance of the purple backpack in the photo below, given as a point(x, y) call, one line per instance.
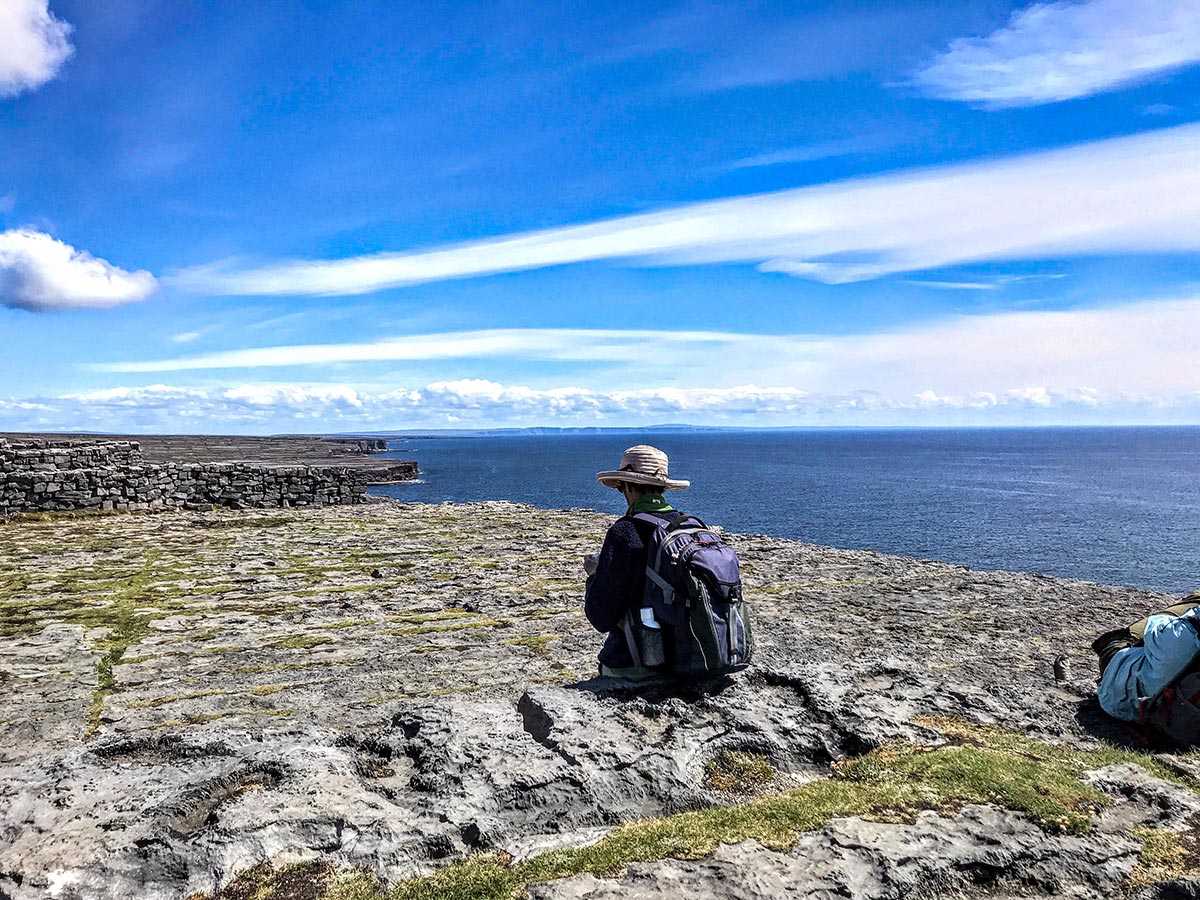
point(693, 620)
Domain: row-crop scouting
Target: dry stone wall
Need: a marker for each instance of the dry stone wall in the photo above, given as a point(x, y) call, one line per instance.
point(104, 475)
point(50, 456)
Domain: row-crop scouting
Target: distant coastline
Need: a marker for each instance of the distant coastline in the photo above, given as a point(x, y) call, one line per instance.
point(418, 433)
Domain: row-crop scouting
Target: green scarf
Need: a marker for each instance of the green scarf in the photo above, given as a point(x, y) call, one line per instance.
point(648, 503)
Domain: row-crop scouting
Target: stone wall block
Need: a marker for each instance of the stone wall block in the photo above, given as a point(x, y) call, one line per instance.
point(36, 475)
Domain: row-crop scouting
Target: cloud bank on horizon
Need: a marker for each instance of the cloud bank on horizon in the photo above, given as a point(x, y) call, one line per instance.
point(965, 365)
point(479, 403)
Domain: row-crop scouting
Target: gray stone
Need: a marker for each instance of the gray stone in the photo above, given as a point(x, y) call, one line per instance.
point(403, 688)
point(983, 850)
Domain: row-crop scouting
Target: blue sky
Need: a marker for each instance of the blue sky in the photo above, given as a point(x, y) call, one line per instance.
point(232, 217)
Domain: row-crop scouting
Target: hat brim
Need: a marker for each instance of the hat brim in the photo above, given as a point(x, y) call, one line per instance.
point(612, 479)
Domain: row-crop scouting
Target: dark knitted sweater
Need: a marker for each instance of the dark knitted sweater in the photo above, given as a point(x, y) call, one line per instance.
point(619, 584)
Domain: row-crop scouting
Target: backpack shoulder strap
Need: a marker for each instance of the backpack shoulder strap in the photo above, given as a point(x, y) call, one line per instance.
point(645, 523)
point(687, 520)
point(651, 522)
point(648, 518)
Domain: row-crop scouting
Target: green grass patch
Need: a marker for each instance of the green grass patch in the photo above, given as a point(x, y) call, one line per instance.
point(542, 612)
point(301, 642)
point(174, 698)
point(441, 648)
point(738, 772)
point(292, 667)
point(565, 675)
point(264, 690)
point(128, 626)
point(133, 660)
point(434, 629)
point(537, 644)
point(420, 618)
point(59, 515)
point(247, 522)
point(345, 589)
point(204, 718)
point(1163, 858)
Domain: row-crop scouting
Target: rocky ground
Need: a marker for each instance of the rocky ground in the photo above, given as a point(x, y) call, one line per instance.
point(343, 701)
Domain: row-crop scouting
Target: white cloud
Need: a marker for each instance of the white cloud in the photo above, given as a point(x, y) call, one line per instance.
point(258, 408)
point(1116, 351)
point(957, 285)
point(563, 345)
point(805, 153)
point(1120, 348)
point(41, 274)
point(1058, 51)
point(986, 282)
point(33, 45)
point(188, 337)
point(1136, 194)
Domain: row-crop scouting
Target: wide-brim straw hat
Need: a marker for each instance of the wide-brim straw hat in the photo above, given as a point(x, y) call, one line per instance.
point(642, 464)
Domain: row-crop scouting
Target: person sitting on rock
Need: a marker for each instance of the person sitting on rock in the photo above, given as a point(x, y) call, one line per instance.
point(1137, 662)
point(617, 574)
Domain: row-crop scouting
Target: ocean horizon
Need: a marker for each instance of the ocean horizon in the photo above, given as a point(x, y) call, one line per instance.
point(1113, 504)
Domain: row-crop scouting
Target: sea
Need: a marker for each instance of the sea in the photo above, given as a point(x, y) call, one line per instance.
point(1114, 505)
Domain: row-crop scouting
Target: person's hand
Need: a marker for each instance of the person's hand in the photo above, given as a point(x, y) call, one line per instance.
point(590, 562)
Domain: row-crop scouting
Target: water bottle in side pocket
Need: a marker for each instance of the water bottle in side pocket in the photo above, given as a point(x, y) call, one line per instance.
point(651, 638)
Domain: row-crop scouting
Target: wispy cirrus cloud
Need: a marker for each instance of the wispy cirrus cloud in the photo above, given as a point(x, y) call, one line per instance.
point(188, 337)
point(557, 344)
point(804, 153)
point(1049, 52)
point(1137, 194)
point(41, 274)
point(723, 46)
point(987, 283)
point(1133, 348)
point(33, 45)
point(956, 285)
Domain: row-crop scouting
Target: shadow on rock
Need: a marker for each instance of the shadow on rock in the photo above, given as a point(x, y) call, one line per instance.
point(655, 690)
point(1099, 724)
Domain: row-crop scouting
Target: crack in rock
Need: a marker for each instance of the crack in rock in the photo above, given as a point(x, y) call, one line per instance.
point(197, 809)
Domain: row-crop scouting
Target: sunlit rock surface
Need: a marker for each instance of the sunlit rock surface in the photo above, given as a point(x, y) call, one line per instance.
point(397, 686)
